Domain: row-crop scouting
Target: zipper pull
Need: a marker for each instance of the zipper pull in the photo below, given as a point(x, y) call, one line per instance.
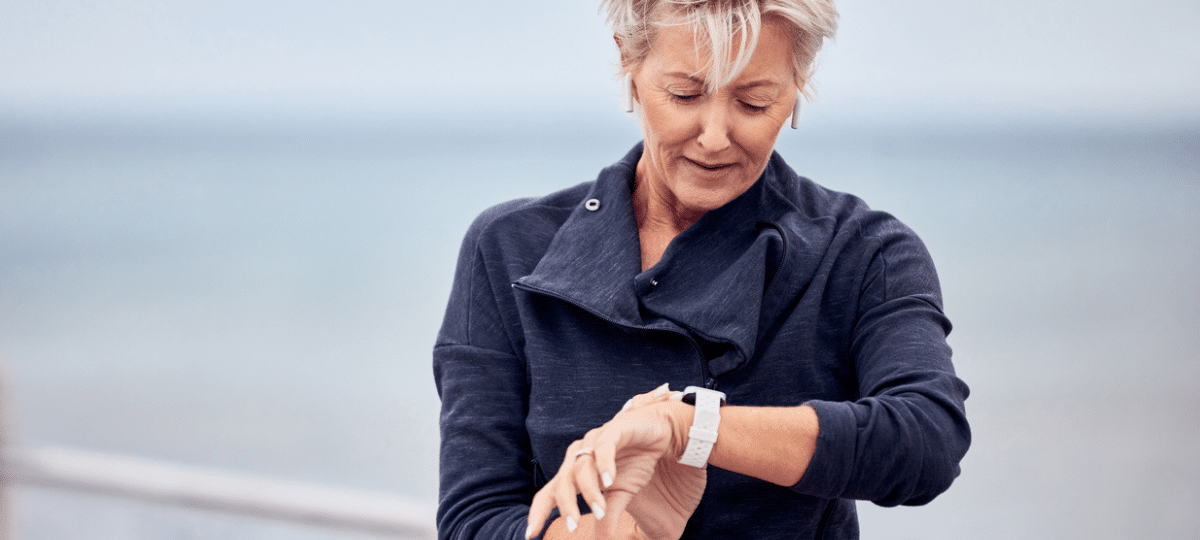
point(710, 384)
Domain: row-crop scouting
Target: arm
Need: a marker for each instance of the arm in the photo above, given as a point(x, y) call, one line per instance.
point(486, 480)
point(769, 443)
point(899, 443)
point(486, 469)
point(901, 440)
point(652, 496)
point(775, 444)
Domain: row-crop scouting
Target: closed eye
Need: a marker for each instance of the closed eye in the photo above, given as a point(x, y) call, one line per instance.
point(754, 108)
point(683, 98)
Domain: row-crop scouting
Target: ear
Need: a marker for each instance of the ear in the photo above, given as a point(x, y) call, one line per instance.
point(631, 87)
point(798, 92)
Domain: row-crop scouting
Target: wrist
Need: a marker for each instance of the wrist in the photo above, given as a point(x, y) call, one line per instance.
point(702, 435)
point(629, 529)
point(679, 418)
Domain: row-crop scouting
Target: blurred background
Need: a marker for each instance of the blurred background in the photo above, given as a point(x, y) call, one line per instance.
point(227, 232)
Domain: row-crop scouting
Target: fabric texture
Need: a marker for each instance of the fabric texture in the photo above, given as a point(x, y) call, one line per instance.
point(789, 294)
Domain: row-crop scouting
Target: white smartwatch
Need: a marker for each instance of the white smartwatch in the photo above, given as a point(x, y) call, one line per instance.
point(704, 424)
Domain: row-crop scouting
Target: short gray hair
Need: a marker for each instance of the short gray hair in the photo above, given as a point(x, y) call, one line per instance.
point(717, 23)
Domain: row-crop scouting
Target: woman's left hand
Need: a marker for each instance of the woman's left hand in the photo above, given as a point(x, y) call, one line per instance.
point(628, 465)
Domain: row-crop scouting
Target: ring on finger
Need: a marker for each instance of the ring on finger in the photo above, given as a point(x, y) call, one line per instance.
point(584, 452)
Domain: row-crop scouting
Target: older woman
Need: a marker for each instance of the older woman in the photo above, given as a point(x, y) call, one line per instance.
point(809, 326)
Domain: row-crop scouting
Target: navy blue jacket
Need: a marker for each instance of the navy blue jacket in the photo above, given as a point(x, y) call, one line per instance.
point(789, 294)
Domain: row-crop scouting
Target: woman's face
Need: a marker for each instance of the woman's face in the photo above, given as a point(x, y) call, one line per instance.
point(704, 149)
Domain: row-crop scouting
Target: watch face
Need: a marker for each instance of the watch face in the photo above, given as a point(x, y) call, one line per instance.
point(689, 395)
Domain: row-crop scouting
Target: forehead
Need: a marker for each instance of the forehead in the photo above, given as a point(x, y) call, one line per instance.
point(680, 49)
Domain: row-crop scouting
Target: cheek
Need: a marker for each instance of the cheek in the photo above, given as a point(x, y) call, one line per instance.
point(666, 126)
point(763, 147)
point(759, 140)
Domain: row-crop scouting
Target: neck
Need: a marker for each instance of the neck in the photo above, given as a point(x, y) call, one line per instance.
point(660, 216)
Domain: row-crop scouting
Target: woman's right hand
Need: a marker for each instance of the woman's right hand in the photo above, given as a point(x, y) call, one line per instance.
point(646, 493)
point(662, 508)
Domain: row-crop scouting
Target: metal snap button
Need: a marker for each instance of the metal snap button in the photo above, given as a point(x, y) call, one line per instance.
point(592, 204)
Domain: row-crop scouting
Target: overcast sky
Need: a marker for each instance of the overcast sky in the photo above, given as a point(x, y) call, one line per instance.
point(893, 61)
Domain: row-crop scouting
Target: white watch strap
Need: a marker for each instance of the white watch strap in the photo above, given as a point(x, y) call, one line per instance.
point(704, 426)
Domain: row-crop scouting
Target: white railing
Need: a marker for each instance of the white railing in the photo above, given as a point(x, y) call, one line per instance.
point(218, 490)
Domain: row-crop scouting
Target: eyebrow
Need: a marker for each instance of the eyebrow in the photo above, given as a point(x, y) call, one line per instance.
point(752, 84)
point(684, 75)
point(757, 84)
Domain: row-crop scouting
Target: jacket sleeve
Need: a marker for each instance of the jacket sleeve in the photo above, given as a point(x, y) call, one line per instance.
point(486, 473)
point(902, 440)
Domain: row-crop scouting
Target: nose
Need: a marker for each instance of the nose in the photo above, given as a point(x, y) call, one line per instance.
point(714, 126)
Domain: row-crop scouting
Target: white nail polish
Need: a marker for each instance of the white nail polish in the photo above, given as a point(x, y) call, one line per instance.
point(571, 525)
point(628, 403)
point(598, 511)
point(666, 387)
point(606, 479)
point(529, 531)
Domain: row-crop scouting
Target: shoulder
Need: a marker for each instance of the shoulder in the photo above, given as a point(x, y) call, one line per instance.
point(504, 242)
point(843, 216)
point(807, 200)
point(527, 222)
point(857, 240)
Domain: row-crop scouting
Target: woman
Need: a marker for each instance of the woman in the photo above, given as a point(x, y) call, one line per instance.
point(699, 259)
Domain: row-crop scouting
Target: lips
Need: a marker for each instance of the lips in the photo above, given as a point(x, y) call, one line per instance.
point(710, 166)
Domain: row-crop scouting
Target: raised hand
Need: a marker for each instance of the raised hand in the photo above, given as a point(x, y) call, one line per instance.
point(627, 471)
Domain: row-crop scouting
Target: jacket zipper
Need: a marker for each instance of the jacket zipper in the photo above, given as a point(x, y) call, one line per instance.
point(709, 381)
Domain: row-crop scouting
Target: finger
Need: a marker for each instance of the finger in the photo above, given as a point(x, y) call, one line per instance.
point(564, 488)
point(618, 500)
point(587, 481)
point(539, 510)
point(546, 499)
point(564, 498)
point(653, 396)
point(605, 457)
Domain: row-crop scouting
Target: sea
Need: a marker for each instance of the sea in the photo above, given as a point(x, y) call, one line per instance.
point(264, 299)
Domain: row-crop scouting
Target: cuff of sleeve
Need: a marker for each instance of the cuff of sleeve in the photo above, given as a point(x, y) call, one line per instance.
point(832, 463)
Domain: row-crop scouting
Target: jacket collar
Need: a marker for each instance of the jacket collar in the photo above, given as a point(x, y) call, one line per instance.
point(711, 280)
point(596, 253)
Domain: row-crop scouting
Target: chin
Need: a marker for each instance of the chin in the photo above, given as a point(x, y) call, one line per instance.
point(705, 195)
point(705, 200)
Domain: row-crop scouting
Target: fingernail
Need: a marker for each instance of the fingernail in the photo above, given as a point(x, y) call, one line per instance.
point(598, 511)
point(606, 479)
point(666, 387)
point(628, 403)
point(571, 525)
point(529, 531)
point(677, 396)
